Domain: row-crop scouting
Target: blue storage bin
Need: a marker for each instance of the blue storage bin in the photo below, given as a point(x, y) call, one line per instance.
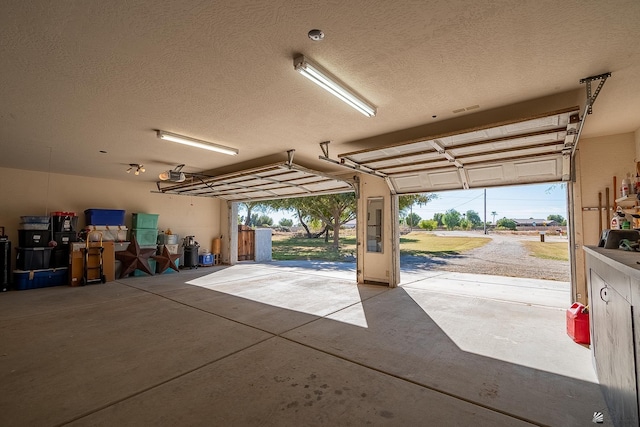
point(205, 259)
point(104, 217)
point(23, 280)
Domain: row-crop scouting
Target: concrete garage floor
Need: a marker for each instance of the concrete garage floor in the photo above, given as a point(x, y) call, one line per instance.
point(283, 345)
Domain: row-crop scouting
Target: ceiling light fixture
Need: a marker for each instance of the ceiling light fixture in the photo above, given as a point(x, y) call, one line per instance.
point(136, 168)
point(322, 78)
point(175, 175)
point(180, 139)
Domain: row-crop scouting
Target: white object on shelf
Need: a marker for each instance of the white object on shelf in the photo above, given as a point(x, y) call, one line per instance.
point(627, 201)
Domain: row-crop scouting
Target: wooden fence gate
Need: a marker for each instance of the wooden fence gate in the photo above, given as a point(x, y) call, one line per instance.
point(246, 243)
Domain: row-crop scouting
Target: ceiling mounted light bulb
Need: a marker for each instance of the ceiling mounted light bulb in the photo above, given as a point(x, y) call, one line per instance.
point(137, 168)
point(205, 145)
point(325, 80)
point(175, 175)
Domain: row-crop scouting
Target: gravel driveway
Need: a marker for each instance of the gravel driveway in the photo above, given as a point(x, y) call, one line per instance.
point(505, 255)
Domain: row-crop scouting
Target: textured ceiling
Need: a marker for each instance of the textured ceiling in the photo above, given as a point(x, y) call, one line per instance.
point(77, 77)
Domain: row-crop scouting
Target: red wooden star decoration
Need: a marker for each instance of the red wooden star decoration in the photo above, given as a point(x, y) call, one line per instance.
point(166, 260)
point(135, 258)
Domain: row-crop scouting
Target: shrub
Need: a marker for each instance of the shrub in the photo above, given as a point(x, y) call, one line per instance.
point(506, 223)
point(428, 224)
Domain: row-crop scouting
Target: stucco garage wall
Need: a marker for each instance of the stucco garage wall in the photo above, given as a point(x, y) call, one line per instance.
point(37, 193)
point(598, 160)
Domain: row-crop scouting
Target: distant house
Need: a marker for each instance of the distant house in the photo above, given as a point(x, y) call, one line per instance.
point(535, 222)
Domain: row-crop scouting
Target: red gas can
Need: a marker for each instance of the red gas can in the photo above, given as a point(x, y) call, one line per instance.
point(578, 323)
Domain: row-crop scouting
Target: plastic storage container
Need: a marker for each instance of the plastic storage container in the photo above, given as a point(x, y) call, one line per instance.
point(205, 259)
point(145, 237)
point(64, 223)
point(104, 217)
point(110, 233)
point(63, 238)
point(173, 249)
point(33, 238)
point(140, 273)
point(33, 258)
point(35, 219)
point(59, 257)
point(33, 226)
point(578, 323)
point(23, 280)
point(144, 220)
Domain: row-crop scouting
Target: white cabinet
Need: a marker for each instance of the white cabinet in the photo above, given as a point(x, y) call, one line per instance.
point(613, 339)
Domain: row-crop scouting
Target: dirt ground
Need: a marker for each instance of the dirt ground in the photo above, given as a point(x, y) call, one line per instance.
point(505, 255)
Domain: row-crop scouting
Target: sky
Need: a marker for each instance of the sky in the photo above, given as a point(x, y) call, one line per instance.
point(515, 202)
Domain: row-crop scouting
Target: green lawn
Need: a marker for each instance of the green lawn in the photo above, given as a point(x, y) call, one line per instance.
point(286, 248)
point(421, 244)
point(428, 244)
point(548, 250)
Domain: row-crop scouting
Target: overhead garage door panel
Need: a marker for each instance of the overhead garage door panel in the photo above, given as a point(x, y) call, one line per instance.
point(526, 151)
point(264, 183)
point(507, 173)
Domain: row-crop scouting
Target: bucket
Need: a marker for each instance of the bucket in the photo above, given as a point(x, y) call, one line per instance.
point(171, 239)
point(215, 245)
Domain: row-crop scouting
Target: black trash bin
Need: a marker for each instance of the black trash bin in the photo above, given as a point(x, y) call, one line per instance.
point(5, 261)
point(190, 252)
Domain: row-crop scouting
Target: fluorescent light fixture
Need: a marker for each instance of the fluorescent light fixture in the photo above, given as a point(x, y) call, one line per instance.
point(180, 139)
point(322, 78)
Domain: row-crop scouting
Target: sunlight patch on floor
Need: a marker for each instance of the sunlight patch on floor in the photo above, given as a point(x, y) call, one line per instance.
point(310, 294)
point(516, 333)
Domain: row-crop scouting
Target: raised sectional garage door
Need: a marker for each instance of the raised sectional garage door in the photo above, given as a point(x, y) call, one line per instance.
point(276, 181)
point(532, 150)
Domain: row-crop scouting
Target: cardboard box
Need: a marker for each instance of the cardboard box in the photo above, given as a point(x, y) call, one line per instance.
point(76, 260)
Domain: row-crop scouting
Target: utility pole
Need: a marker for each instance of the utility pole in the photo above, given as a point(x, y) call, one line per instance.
point(485, 211)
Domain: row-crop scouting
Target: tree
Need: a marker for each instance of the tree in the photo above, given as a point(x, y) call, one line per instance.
point(506, 223)
point(264, 221)
point(406, 202)
point(285, 222)
point(250, 206)
point(252, 220)
point(437, 217)
point(474, 219)
point(557, 218)
point(493, 214)
point(451, 219)
point(333, 210)
point(412, 219)
point(465, 224)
